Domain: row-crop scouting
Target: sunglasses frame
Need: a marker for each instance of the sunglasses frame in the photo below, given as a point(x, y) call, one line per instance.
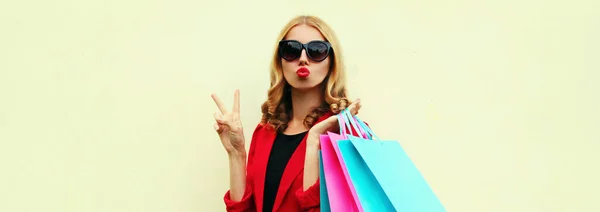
point(305, 47)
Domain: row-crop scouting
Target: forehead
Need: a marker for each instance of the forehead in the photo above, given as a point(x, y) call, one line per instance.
point(304, 33)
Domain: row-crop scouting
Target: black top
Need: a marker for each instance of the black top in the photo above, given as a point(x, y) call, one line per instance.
point(283, 148)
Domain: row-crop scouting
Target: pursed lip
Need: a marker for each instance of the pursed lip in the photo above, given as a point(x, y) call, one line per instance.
point(303, 72)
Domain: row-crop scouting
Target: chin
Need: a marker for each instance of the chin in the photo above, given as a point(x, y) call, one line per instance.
point(303, 85)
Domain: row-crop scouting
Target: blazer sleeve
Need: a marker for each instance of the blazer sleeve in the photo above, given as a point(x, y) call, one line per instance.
point(309, 200)
point(246, 204)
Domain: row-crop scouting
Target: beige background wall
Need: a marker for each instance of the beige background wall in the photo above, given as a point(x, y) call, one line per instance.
point(105, 105)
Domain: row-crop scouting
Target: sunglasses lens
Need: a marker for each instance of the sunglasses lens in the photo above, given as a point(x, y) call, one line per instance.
point(318, 51)
point(290, 50)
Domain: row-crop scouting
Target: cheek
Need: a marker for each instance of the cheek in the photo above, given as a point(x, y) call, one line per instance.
point(323, 67)
point(286, 66)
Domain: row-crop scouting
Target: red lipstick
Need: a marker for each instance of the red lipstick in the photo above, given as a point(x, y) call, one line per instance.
point(303, 72)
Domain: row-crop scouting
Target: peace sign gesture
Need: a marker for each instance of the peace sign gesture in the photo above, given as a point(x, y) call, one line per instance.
point(229, 126)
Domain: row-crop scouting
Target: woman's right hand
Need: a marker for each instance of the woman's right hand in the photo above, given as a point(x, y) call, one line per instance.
point(229, 126)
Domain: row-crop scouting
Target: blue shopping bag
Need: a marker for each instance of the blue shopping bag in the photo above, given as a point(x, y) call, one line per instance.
point(323, 186)
point(384, 176)
point(371, 195)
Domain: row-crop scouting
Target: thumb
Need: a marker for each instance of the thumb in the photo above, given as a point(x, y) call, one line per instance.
point(218, 128)
point(220, 119)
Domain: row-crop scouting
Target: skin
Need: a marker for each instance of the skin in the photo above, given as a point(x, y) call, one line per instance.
point(231, 134)
point(305, 94)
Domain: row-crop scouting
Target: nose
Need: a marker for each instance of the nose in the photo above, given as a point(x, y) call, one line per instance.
point(303, 58)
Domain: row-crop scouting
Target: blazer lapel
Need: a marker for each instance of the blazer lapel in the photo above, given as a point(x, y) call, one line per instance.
point(265, 143)
point(293, 168)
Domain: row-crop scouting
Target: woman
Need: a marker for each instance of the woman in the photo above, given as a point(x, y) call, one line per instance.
point(307, 90)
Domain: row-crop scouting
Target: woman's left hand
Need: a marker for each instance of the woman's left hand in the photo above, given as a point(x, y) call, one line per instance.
point(329, 124)
point(313, 144)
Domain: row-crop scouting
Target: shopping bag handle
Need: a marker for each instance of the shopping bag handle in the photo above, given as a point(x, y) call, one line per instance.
point(366, 128)
point(350, 119)
point(342, 123)
point(362, 126)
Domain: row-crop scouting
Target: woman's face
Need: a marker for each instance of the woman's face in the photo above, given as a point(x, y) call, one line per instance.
point(304, 73)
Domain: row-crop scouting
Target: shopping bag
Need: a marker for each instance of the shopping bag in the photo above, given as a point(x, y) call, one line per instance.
point(338, 190)
point(383, 175)
point(335, 138)
point(323, 186)
point(334, 169)
point(372, 197)
point(369, 192)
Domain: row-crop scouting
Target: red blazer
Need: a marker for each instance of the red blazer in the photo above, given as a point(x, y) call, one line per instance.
point(290, 196)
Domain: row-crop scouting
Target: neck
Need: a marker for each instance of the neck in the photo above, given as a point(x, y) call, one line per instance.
point(303, 102)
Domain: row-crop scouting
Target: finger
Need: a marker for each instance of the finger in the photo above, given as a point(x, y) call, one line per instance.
point(332, 119)
point(219, 103)
point(354, 107)
point(354, 104)
point(218, 128)
point(219, 118)
point(333, 124)
point(236, 101)
point(325, 125)
point(357, 106)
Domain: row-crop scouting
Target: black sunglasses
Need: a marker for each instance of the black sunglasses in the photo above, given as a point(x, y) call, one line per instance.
point(316, 50)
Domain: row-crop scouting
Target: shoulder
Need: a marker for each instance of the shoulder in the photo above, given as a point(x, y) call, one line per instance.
point(261, 127)
point(263, 130)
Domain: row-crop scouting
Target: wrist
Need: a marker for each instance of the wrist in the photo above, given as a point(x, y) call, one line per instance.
point(313, 141)
point(237, 154)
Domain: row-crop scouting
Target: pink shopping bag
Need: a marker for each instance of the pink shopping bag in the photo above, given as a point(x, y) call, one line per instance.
point(341, 192)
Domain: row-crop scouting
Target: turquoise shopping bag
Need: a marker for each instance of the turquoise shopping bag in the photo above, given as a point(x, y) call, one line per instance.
point(384, 176)
point(368, 191)
point(370, 194)
point(323, 186)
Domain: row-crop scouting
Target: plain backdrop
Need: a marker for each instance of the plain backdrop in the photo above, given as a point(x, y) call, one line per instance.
point(105, 105)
